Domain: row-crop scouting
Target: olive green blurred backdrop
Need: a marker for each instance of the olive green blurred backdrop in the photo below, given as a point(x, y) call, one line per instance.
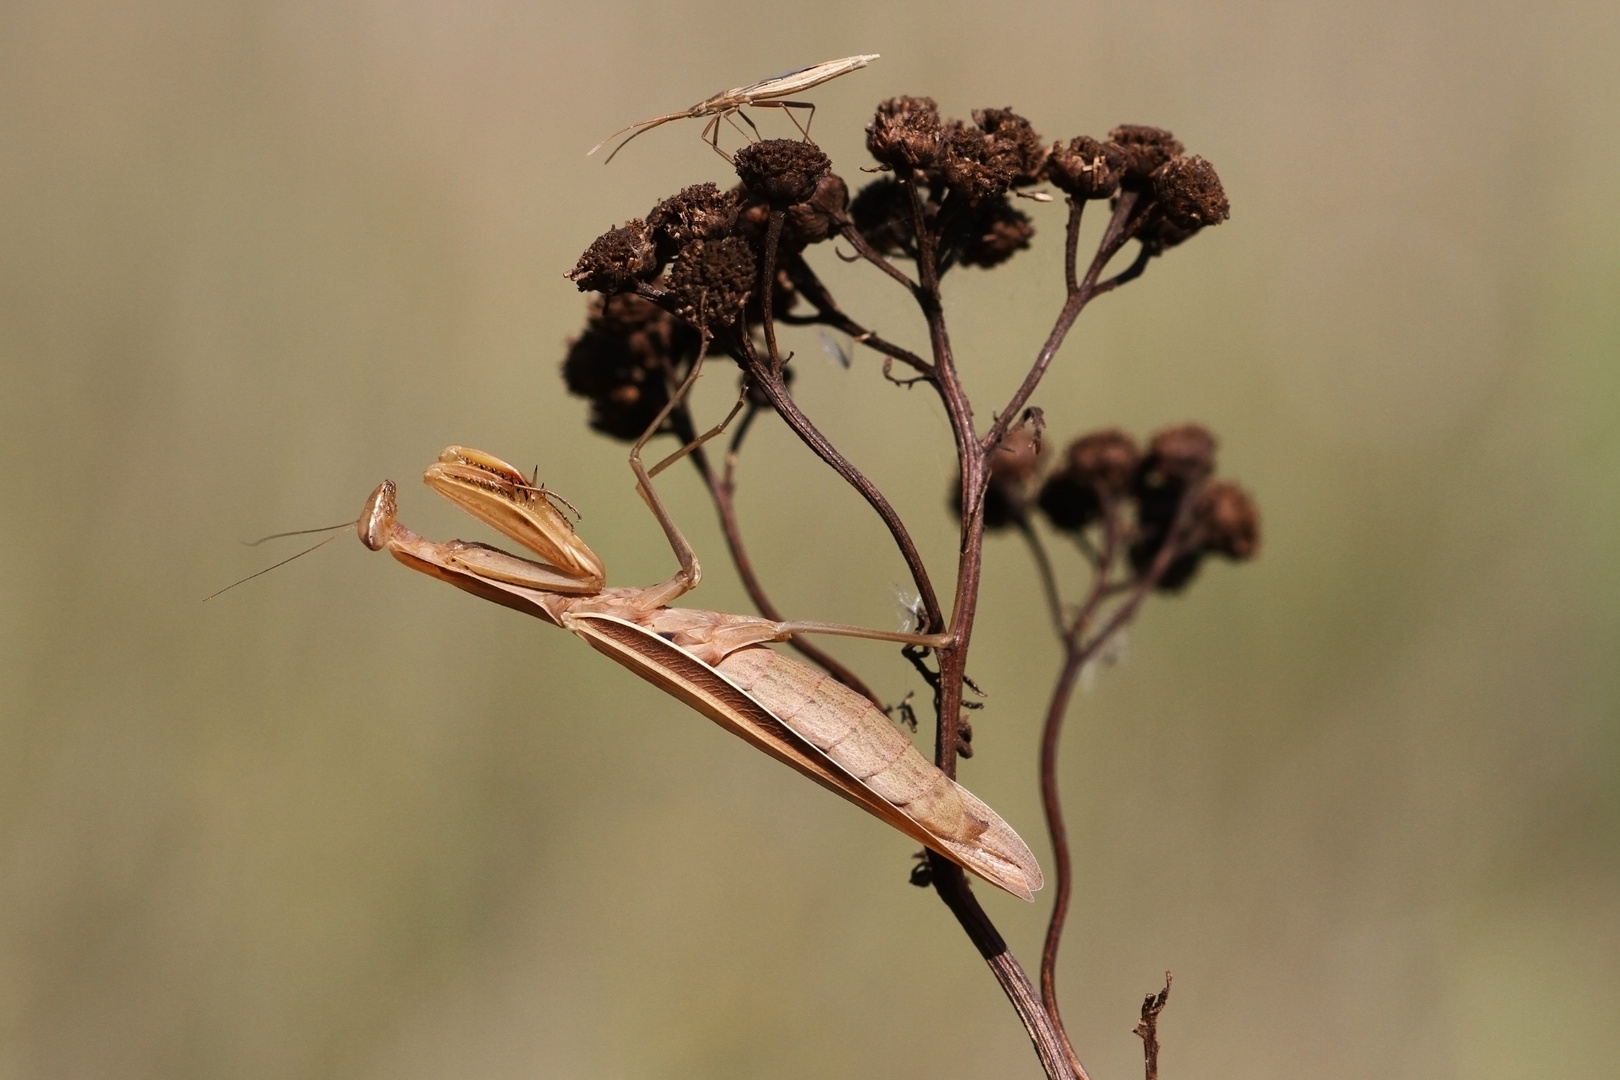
point(1363, 796)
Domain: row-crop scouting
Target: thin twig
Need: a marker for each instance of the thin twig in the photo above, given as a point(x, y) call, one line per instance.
point(1051, 730)
point(830, 314)
point(1078, 651)
point(1050, 1046)
point(767, 376)
point(1043, 564)
point(848, 231)
point(1147, 1028)
point(972, 459)
point(1071, 244)
point(1114, 238)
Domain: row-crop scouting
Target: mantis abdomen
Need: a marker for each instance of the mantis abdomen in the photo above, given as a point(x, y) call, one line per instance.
point(860, 739)
point(854, 734)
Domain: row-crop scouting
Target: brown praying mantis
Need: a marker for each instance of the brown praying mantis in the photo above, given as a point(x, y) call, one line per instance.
point(717, 663)
point(766, 94)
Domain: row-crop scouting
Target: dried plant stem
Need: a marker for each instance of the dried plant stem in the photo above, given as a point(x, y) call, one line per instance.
point(1043, 566)
point(1147, 1029)
point(1056, 1058)
point(1078, 650)
point(871, 255)
point(828, 313)
point(1114, 238)
point(767, 375)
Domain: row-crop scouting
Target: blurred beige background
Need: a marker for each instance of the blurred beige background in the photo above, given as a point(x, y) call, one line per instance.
point(1363, 796)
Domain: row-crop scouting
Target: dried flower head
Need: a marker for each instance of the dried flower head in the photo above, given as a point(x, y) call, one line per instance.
point(1228, 521)
point(623, 361)
point(818, 217)
point(1158, 233)
point(1182, 454)
point(618, 260)
point(1189, 193)
point(881, 212)
point(906, 132)
point(700, 212)
point(1013, 139)
point(1097, 467)
point(1179, 459)
point(975, 165)
point(998, 231)
point(1086, 168)
point(782, 172)
point(1145, 149)
point(711, 279)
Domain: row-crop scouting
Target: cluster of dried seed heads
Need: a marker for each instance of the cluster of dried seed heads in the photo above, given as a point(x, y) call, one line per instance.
point(624, 363)
point(969, 171)
point(1162, 502)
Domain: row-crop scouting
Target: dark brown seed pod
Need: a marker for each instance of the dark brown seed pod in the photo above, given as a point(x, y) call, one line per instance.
point(1105, 460)
point(1184, 454)
point(1098, 467)
point(1228, 521)
point(999, 231)
point(818, 217)
point(781, 172)
point(1013, 139)
point(974, 165)
point(882, 214)
point(618, 260)
point(711, 279)
point(622, 361)
point(1178, 459)
point(700, 212)
point(1158, 504)
point(1189, 193)
point(1067, 503)
point(1145, 149)
point(1182, 569)
point(1086, 168)
point(906, 132)
point(1158, 233)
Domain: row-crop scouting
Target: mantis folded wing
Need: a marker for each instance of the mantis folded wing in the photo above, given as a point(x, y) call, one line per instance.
point(715, 662)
